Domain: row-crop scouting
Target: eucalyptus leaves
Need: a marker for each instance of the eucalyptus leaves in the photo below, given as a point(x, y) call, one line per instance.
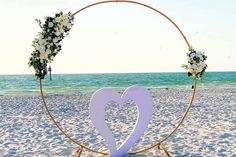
point(46, 44)
point(196, 63)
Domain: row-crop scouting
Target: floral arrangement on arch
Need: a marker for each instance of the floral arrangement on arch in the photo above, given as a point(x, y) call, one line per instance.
point(47, 43)
point(196, 63)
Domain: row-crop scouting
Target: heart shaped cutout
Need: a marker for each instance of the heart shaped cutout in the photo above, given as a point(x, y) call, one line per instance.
point(121, 119)
point(97, 106)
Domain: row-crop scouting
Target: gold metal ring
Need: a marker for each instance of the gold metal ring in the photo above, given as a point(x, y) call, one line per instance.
point(171, 132)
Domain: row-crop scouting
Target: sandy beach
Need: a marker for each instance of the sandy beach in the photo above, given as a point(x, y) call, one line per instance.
point(209, 130)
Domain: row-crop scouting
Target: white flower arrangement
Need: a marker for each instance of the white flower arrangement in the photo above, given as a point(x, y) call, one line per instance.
point(46, 44)
point(196, 63)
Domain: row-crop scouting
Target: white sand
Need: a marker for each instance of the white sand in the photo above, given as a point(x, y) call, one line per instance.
point(210, 128)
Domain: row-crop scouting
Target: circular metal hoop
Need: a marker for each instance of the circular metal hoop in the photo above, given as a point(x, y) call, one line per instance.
point(158, 144)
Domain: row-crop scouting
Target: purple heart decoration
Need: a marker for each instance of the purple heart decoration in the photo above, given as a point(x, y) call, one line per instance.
point(102, 97)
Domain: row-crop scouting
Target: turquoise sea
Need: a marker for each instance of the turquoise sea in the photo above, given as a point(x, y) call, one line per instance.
point(23, 84)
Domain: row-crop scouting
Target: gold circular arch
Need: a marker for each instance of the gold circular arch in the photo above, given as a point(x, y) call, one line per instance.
point(158, 144)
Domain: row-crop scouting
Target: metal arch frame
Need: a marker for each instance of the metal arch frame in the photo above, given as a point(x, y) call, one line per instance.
point(158, 144)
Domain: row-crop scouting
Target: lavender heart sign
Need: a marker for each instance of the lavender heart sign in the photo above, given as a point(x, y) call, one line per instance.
point(102, 97)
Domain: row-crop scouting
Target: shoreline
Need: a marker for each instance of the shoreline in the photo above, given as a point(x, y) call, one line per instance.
point(93, 89)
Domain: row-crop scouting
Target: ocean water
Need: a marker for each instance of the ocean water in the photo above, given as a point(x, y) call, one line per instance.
point(25, 84)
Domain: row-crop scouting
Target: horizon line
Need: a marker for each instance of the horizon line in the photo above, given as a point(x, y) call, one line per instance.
point(117, 72)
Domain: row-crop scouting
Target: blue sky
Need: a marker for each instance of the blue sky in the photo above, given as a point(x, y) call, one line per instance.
point(122, 37)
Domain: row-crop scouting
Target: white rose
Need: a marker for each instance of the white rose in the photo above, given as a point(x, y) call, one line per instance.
point(55, 40)
point(57, 33)
point(42, 41)
point(69, 25)
point(48, 51)
point(57, 19)
point(60, 28)
point(40, 48)
point(199, 69)
point(40, 36)
point(50, 24)
point(194, 75)
point(36, 45)
point(63, 17)
point(193, 66)
point(44, 55)
point(191, 70)
point(189, 60)
point(204, 64)
point(42, 51)
point(192, 55)
point(189, 66)
point(56, 29)
point(65, 22)
point(200, 56)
